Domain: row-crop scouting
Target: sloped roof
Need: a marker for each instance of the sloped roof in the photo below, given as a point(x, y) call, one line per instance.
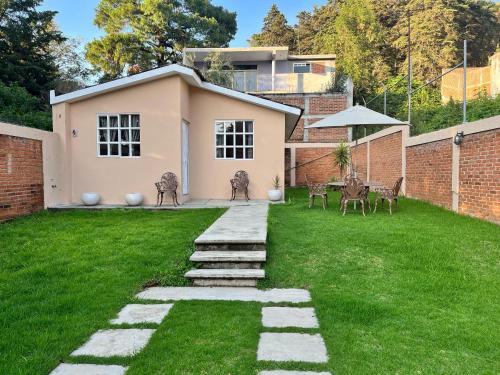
point(193, 78)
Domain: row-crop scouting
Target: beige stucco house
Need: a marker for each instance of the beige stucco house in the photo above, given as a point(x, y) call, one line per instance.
point(120, 137)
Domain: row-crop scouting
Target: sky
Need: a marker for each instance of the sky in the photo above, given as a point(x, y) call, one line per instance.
point(75, 18)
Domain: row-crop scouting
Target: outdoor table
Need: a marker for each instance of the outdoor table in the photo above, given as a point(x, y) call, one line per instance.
point(368, 184)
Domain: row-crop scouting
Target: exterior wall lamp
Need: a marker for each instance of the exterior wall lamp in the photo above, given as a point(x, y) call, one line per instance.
point(459, 137)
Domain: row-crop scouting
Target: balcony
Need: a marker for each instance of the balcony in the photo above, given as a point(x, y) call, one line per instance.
point(251, 81)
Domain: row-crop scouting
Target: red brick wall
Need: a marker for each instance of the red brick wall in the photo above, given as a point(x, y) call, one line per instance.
point(359, 158)
point(479, 176)
point(428, 172)
point(317, 163)
point(21, 176)
point(386, 158)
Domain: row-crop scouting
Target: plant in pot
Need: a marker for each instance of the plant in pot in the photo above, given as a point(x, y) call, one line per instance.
point(275, 193)
point(341, 156)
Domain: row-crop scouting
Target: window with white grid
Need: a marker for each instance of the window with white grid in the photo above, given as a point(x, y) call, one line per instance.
point(234, 139)
point(119, 135)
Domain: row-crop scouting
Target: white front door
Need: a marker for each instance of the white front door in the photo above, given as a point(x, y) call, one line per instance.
point(185, 158)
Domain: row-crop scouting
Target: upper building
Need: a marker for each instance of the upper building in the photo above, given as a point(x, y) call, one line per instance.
point(270, 69)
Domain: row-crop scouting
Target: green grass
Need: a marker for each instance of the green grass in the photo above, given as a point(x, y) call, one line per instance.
point(412, 293)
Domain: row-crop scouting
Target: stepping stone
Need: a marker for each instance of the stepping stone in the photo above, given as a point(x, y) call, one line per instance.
point(73, 369)
point(281, 317)
point(225, 294)
point(115, 342)
point(284, 372)
point(297, 347)
point(134, 313)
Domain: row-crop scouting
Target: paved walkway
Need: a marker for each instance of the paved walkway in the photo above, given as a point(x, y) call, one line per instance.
point(240, 224)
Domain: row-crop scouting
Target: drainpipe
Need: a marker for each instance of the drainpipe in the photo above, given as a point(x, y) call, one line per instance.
point(273, 70)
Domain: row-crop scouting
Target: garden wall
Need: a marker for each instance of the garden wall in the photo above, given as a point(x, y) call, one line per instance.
point(28, 170)
point(464, 178)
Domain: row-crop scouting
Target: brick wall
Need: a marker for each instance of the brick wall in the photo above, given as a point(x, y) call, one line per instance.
point(316, 107)
point(360, 159)
point(386, 158)
point(21, 176)
point(428, 172)
point(317, 163)
point(479, 175)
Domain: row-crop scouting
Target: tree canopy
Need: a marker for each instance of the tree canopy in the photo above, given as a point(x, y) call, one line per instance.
point(145, 34)
point(26, 34)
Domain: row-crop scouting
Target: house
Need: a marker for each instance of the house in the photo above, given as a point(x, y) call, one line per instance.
point(301, 80)
point(270, 69)
point(121, 136)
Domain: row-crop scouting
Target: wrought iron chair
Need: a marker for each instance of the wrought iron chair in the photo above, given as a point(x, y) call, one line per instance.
point(354, 191)
point(389, 194)
point(239, 182)
point(319, 190)
point(168, 184)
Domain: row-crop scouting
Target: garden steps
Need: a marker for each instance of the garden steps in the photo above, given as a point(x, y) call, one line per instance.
point(231, 252)
point(225, 277)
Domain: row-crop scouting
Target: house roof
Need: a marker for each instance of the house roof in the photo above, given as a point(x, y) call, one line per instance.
point(193, 78)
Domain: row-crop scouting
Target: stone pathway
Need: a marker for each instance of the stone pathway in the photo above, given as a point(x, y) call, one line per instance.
point(231, 252)
point(291, 346)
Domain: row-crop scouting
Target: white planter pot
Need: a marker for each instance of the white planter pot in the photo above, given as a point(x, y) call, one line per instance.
point(90, 199)
point(134, 199)
point(274, 195)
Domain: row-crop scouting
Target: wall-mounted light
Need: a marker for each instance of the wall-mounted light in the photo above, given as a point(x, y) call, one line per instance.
point(74, 132)
point(459, 137)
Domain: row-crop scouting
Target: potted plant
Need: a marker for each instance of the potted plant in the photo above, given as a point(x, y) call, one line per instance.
point(341, 157)
point(275, 193)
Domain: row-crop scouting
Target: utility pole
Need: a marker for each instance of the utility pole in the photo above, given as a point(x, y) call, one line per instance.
point(409, 68)
point(464, 109)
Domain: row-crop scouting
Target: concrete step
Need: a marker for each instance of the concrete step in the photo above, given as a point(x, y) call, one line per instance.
point(230, 246)
point(228, 256)
point(225, 277)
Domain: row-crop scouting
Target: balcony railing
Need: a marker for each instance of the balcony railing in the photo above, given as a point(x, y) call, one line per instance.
point(250, 81)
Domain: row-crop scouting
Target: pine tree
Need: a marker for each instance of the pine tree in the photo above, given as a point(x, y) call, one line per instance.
point(275, 32)
point(26, 34)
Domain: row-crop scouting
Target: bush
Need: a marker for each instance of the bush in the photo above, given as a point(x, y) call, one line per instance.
point(19, 107)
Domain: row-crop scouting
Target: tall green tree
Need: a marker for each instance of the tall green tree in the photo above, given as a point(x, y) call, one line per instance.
point(26, 34)
point(145, 34)
point(275, 32)
point(219, 69)
point(356, 37)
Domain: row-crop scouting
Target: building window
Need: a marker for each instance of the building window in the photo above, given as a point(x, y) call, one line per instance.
point(302, 67)
point(234, 139)
point(119, 135)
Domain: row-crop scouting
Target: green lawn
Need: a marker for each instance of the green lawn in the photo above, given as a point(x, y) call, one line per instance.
point(412, 293)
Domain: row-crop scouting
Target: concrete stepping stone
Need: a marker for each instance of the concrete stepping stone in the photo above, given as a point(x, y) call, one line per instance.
point(297, 347)
point(225, 294)
point(281, 317)
point(135, 313)
point(115, 342)
point(81, 369)
point(284, 372)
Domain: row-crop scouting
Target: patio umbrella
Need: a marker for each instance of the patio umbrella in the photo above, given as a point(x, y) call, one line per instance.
point(355, 116)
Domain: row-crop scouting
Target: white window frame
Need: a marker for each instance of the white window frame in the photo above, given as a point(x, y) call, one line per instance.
point(118, 128)
point(234, 146)
point(302, 64)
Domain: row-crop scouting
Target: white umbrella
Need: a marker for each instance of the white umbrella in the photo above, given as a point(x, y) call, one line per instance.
point(357, 115)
